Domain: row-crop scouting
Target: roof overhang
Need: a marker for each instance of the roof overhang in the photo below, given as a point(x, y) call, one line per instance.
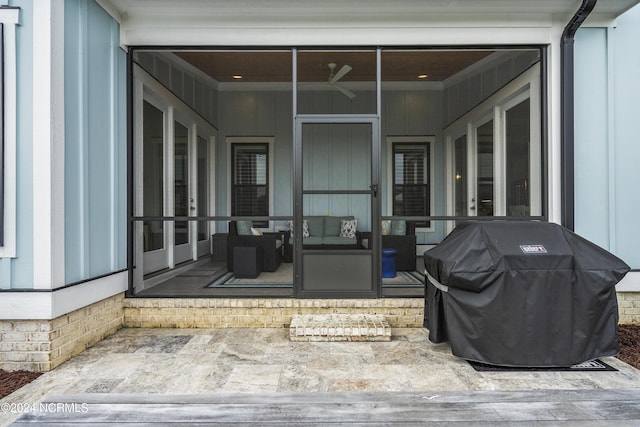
point(162, 22)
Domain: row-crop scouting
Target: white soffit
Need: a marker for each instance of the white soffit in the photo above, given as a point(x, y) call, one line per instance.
point(157, 22)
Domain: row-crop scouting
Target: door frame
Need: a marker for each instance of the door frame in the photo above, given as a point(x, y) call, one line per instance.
point(374, 192)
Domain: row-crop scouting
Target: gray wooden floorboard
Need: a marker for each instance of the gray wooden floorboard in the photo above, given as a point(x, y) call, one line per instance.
point(553, 407)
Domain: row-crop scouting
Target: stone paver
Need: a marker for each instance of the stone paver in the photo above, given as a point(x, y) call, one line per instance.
point(257, 361)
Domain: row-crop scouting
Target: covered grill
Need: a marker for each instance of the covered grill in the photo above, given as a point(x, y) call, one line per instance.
point(518, 293)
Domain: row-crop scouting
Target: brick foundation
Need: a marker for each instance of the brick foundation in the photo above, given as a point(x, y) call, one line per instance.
point(629, 307)
point(261, 312)
point(41, 345)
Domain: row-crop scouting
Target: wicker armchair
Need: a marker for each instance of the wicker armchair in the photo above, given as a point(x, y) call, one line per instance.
point(405, 245)
point(271, 244)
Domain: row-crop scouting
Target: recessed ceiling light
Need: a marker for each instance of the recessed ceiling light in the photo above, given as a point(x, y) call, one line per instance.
point(422, 76)
point(237, 76)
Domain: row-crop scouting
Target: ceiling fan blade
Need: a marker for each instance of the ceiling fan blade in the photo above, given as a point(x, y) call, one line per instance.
point(340, 74)
point(346, 92)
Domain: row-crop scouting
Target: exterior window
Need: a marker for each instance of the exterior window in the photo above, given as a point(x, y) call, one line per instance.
point(250, 183)
point(411, 180)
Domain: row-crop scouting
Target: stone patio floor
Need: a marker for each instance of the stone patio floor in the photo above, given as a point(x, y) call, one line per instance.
point(264, 361)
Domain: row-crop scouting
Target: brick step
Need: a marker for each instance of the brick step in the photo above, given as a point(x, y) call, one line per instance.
point(339, 327)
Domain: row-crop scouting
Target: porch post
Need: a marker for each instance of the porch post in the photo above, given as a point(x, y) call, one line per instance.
point(48, 144)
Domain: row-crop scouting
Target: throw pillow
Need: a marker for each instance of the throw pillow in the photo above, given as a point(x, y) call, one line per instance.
point(305, 228)
point(244, 228)
point(399, 227)
point(348, 228)
point(386, 227)
point(256, 232)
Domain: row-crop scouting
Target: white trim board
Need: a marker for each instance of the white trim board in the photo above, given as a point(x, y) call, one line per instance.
point(48, 305)
point(630, 283)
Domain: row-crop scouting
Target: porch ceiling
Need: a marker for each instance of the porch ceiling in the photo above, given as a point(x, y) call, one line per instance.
point(397, 66)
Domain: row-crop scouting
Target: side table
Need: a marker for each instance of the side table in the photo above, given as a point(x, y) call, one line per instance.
point(247, 261)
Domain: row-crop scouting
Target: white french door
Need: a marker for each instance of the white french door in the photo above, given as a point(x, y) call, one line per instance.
point(494, 155)
point(173, 178)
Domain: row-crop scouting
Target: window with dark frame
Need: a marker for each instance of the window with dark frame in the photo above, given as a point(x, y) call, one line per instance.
point(411, 172)
point(250, 180)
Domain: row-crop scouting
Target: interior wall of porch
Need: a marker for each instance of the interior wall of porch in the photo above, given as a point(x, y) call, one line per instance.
point(268, 113)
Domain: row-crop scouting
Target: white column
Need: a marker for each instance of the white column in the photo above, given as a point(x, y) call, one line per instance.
point(554, 105)
point(48, 144)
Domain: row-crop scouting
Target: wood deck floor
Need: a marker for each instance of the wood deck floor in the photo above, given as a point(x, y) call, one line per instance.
point(485, 408)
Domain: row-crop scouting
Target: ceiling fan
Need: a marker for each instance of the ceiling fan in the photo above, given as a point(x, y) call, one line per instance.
point(335, 77)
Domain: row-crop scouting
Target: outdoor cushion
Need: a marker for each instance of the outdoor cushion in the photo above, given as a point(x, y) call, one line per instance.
point(386, 227)
point(335, 240)
point(244, 228)
point(333, 224)
point(305, 227)
point(316, 225)
point(398, 227)
point(313, 240)
point(348, 228)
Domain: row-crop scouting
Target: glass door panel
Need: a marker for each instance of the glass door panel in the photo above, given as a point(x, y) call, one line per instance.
point(202, 202)
point(153, 177)
point(181, 193)
point(460, 180)
point(203, 187)
point(484, 169)
point(153, 188)
point(517, 126)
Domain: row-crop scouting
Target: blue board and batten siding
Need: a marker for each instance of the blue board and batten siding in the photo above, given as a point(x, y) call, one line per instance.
point(18, 272)
point(95, 143)
point(95, 147)
point(607, 151)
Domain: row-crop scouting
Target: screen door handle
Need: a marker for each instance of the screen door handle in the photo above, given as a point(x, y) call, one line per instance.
point(374, 189)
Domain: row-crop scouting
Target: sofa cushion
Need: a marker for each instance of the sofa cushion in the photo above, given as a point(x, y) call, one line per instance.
point(316, 225)
point(348, 228)
point(336, 240)
point(312, 240)
point(398, 227)
point(332, 224)
point(244, 228)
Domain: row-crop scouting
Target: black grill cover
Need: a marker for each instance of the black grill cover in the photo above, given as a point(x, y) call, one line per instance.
point(518, 293)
